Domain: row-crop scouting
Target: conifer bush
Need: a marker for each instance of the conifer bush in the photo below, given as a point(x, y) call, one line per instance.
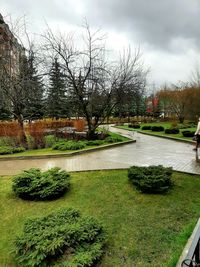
point(33, 184)
point(146, 127)
point(61, 239)
point(69, 145)
point(157, 128)
point(152, 179)
point(10, 150)
point(172, 131)
point(188, 133)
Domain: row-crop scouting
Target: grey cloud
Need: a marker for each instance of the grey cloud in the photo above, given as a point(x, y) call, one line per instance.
point(157, 22)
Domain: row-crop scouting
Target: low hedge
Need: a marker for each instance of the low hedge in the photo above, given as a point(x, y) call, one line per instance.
point(152, 179)
point(36, 185)
point(157, 128)
point(4, 150)
point(116, 139)
point(188, 133)
point(69, 145)
point(147, 127)
point(134, 126)
point(63, 238)
point(172, 131)
point(95, 142)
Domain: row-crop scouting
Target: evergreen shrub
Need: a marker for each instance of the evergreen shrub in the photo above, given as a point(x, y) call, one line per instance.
point(95, 142)
point(10, 150)
point(146, 127)
point(69, 145)
point(188, 133)
point(152, 179)
point(134, 126)
point(111, 139)
point(172, 131)
point(33, 184)
point(61, 239)
point(157, 128)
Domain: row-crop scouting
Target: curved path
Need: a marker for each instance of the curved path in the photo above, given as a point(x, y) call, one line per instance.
point(148, 150)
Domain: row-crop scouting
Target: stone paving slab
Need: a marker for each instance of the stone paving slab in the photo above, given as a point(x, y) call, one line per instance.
point(148, 150)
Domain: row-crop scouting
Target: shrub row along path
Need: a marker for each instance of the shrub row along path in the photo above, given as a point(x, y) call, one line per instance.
point(148, 150)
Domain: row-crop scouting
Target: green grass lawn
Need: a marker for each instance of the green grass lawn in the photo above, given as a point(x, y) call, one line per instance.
point(143, 230)
point(50, 151)
point(166, 125)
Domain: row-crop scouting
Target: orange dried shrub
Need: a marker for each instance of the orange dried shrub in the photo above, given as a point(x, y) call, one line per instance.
point(11, 130)
point(36, 130)
point(79, 125)
point(57, 124)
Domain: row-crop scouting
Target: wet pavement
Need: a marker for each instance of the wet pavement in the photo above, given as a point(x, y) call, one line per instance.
point(148, 150)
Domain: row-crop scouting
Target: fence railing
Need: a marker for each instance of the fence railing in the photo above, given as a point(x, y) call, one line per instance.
point(191, 254)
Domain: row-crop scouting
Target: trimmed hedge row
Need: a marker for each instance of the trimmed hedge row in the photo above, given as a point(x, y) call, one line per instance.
point(63, 238)
point(36, 185)
point(152, 179)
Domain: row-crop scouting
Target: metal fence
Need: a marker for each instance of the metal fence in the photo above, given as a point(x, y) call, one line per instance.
point(192, 258)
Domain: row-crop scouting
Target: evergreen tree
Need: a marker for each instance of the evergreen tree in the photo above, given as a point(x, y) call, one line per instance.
point(34, 106)
point(57, 102)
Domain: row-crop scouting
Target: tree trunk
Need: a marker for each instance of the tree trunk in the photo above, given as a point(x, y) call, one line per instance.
point(181, 119)
point(23, 138)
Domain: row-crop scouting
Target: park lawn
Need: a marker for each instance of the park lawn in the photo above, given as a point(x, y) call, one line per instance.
point(166, 125)
point(143, 230)
point(50, 151)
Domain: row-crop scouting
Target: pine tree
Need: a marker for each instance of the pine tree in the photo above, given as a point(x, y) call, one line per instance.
point(34, 106)
point(57, 103)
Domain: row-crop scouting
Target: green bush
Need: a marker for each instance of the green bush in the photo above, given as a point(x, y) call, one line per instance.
point(10, 150)
point(152, 179)
point(147, 127)
point(61, 239)
point(95, 142)
point(157, 128)
point(134, 126)
point(49, 140)
point(111, 139)
point(36, 185)
point(188, 133)
point(69, 145)
point(172, 131)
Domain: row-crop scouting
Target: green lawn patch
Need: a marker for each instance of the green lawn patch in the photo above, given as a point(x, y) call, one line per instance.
point(143, 229)
point(166, 125)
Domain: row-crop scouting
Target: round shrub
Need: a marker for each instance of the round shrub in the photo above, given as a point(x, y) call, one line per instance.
point(69, 145)
point(172, 131)
point(188, 133)
point(147, 127)
point(152, 179)
point(134, 126)
point(36, 185)
point(63, 238)
point(157, 128)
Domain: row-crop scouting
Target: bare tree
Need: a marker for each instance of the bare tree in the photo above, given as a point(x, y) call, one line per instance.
point(97, 85)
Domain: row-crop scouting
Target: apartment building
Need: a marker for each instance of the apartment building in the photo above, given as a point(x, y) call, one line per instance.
point(10, 49)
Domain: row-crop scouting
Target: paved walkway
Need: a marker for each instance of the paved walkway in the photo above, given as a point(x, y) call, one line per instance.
point(148, 150)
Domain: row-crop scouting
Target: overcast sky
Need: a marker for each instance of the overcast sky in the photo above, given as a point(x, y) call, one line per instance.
point(168, 31)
